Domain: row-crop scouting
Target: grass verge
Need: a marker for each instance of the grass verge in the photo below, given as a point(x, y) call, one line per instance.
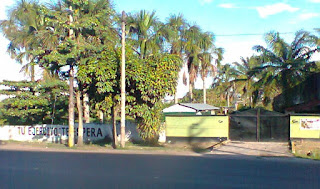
point(306, 149)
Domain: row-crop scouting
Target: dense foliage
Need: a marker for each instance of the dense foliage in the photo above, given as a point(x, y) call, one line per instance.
point(33, 102)
point(79, 40)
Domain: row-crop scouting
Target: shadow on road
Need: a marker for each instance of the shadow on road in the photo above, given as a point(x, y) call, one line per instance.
point(253, 148)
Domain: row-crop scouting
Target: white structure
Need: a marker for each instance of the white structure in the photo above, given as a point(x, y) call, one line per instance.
point(178, 108)
point(58, 133)
point(196, 108)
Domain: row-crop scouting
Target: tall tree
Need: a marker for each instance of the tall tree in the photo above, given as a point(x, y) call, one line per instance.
point(208, 53)
point(192, 49)
point(79, 27)
point(176, 26)
point(224, 82)
point(25, 21)
point(143, 33)
point(245, 81)
point(284, 65)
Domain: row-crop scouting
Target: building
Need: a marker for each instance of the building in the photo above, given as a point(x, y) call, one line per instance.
point(191, 109)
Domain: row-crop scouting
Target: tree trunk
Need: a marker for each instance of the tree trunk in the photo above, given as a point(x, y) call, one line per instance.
point(86, 108)
point(114, 113)
point(101, 116)
point(176, 100)
point(32, 73)
point(228, 100)
point(190, 92)
point(123, 85)
point(204, 91)
point(71, 108)
point(80, 126)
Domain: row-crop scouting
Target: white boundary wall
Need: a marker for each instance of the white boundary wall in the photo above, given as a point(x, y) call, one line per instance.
point(56, 133)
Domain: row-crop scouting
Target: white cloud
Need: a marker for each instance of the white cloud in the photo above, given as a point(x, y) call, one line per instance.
point(307, 16)
point(275, 9)
point(303, 17)
point(314, 1)
point(202, 2)
point(227, 5)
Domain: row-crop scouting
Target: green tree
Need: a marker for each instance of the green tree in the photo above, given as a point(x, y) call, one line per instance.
point(244, 81)
point(208, 53)
point(145, 33)
point(150, 80)
point(25, 22)
point(78, 27)
point(192, 49)
point(284, 65)
point(33, 102)
point(224, 83)
point(175, 29)
point(147, 82)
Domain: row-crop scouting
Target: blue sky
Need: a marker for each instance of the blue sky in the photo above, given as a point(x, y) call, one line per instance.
point(228, 17)
point(222, 17)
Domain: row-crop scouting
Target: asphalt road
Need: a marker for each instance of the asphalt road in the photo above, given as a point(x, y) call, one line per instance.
point(89, 170)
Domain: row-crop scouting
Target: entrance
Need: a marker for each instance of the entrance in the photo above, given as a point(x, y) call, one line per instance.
point(259, 125)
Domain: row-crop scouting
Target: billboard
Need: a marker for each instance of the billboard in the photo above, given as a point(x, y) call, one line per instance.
point(310, 123)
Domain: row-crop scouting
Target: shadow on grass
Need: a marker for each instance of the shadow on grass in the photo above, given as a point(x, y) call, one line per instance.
point(103, 142)
point(109, 142)
point(146, 144)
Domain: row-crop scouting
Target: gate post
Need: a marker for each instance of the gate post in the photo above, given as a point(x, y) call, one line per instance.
point(258, 125)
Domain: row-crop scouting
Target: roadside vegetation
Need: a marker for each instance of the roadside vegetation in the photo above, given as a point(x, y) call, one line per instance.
point(306, 149)
point(77, 44)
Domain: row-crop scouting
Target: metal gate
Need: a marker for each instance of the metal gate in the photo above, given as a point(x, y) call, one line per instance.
point(259, 126)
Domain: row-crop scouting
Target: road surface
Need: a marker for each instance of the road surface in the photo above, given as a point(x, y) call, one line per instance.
point(100, 170)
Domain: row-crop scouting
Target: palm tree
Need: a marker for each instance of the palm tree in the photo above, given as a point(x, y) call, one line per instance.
point(244, 81)
point(206, 56)
point(284, 65)
point(192, 50)
point(175, 28)
point(25, 20)
point(144, 31)
point(224, 82)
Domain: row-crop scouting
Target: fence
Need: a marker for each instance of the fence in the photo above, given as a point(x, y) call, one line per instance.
point(259, 126)
point(305, 127)
point(197, 126)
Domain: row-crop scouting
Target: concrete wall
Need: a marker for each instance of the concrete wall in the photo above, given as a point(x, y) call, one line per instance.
point(53, 133)
point(197, 126)
point(305, 127)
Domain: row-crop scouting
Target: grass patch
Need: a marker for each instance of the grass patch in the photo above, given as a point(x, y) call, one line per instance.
point(310, 154)
point(141, 146)
point(306, 149)
point(103, 145)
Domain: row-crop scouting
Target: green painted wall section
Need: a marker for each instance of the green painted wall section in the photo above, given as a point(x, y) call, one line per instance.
point(297, 132)
point(197, 126)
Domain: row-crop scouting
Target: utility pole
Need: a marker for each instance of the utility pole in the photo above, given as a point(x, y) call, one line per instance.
point(123, 84)
point(71, 96)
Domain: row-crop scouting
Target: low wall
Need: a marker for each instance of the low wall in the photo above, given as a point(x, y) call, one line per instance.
point(307, 127)
point(55, 133)
point(197, 126)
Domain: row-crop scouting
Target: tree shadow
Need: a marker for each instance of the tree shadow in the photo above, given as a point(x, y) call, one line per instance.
point(200, 144)
point(102, 142)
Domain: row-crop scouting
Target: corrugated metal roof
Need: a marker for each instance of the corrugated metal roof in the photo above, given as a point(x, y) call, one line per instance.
point(178, 108)
point(199, 106)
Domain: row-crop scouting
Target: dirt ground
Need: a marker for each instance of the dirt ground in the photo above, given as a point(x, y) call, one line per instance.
point(272, 149)
point(306, 148)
